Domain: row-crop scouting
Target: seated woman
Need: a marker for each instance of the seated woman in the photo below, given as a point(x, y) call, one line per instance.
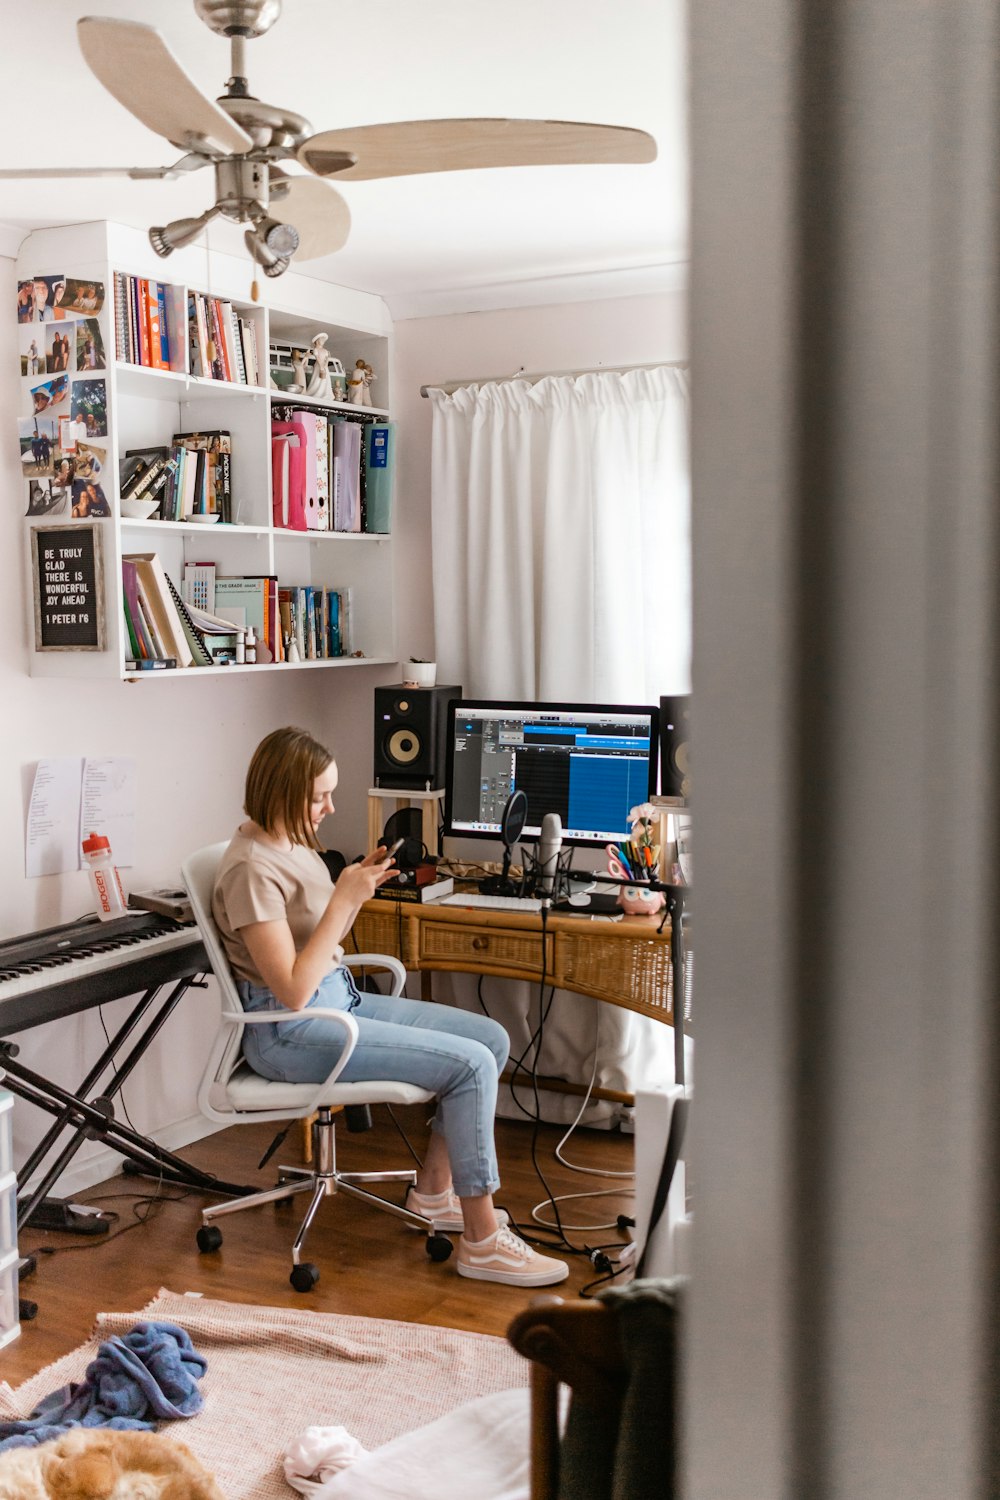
point(282, 925)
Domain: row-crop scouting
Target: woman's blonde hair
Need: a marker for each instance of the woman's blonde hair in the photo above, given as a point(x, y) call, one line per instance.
point(280, 782)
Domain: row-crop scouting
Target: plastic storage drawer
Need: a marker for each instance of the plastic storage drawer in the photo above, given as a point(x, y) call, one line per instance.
point(8, 1214)
point(6, 1132)
point(9, 1325)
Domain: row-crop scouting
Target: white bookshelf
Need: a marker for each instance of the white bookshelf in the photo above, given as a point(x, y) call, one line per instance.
point(146, 406)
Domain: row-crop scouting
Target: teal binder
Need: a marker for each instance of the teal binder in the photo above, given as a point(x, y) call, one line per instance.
point(380, 464)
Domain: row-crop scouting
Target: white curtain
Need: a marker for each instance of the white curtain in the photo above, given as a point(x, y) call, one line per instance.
point(561, 552)
point(561, 549)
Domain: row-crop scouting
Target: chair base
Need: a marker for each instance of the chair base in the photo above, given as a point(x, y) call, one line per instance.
point(322, 1181)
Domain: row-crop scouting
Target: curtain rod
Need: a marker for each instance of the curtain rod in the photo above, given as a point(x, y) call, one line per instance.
point(450, 386)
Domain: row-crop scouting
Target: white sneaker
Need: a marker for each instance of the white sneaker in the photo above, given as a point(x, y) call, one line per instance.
point(445, 1209)
point(506, 1258)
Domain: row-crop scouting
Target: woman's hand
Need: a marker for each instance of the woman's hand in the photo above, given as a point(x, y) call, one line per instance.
point(358, 882)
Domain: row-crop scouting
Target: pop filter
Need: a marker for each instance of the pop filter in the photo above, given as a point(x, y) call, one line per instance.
point(513, 818)
point(512, 821)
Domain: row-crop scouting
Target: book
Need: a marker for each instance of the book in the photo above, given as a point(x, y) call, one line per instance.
point(159, 595)
point(347, 476)
point(149, 664)
point(246, 594)
point(422, 893)
point(380, 442)
point(200, 656)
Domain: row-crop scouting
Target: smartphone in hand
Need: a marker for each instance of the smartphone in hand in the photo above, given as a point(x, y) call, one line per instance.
point(391, 850)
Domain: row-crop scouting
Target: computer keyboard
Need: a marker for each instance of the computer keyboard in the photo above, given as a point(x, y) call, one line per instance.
point(493, 903)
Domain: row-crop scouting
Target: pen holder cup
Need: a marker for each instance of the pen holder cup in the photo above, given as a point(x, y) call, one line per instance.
point(639, 901)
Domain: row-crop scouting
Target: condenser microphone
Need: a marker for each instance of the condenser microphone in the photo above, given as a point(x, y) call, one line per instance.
point(549, 844)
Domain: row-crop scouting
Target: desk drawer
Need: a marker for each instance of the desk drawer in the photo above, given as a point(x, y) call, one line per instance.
point(516, 954)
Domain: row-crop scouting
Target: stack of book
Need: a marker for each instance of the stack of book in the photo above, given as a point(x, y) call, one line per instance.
point(317, 620)
point(144, 473)
point(200, 483)
point(223, 345)
point(156, 630)
point(193, 477)
point(142, 336)
point(250, 602)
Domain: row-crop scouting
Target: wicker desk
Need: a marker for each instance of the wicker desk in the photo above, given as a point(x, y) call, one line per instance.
point(625, 962)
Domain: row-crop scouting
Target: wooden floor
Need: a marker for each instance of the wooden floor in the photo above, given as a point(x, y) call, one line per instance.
point(369, 1263)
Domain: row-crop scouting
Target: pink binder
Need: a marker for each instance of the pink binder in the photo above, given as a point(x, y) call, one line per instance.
point(288, 460)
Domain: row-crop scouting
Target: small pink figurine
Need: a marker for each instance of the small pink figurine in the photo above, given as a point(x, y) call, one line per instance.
point(640, 901)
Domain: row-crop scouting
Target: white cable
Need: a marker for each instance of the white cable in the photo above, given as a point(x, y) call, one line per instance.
point(587, 1171)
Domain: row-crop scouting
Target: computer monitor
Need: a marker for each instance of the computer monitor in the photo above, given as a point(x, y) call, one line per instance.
point(588, 763)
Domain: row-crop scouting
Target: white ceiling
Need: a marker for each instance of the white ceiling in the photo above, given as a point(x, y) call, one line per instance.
point(438, 243)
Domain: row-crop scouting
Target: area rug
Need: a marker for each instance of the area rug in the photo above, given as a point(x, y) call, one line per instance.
point(273, 1372)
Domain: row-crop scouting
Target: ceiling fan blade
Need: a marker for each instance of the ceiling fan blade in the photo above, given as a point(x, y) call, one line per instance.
point(318, 211)
point(135, 64)
point(159, 174)
point(411, 146)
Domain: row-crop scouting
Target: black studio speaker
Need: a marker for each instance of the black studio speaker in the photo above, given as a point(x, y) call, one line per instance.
point(410, 729)
point(675, 746)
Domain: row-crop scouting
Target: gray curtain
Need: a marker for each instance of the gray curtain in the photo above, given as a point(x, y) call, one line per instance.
point(845, 346)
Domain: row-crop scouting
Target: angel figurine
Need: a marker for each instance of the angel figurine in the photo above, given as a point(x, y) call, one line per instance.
point(356, 387)
point(297, 384)
point(320, 384)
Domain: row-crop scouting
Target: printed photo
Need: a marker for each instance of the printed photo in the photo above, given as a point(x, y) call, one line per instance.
point(89, 500)
point(89, 406)
point(48, 293)
point(81, 296)
point(64, 471)
point(57, 347)
point(39, 440)
point(89, 345)
point(51, 393)
point(25, 301)
point(71, 432)
point(89, 460)
point(45, 499)
point(31, 343)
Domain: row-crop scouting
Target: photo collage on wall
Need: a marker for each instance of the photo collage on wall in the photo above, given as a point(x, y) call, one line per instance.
point(63, 435)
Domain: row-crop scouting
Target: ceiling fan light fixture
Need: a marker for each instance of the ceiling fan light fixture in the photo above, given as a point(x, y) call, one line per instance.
point(166, 238)
point(270, 263)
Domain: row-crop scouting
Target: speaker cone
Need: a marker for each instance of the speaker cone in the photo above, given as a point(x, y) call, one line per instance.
point(402, 747)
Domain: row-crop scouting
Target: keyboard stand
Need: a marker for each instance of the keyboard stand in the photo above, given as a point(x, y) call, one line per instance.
point(83, 1118)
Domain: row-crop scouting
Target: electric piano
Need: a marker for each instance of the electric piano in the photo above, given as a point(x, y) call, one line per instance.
point(49, 975)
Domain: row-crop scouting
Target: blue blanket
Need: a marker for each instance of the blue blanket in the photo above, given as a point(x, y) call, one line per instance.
point(150, 1373)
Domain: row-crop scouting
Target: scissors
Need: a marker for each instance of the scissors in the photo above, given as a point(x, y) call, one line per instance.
point(615, 866)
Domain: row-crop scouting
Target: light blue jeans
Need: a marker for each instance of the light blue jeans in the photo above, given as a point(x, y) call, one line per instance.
point(454, 1054)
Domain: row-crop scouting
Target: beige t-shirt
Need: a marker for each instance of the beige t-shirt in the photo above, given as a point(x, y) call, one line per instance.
point(258, 883)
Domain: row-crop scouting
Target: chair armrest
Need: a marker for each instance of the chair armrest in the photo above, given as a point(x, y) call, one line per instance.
point(343, 1019)
point(378, 961)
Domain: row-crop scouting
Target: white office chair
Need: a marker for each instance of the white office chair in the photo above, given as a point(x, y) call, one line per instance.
point(232, 1093)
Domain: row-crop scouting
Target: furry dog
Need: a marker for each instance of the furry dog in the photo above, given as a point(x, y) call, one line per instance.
point(104, 1464)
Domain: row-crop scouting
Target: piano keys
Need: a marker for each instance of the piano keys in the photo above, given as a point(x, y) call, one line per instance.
point(47, 975)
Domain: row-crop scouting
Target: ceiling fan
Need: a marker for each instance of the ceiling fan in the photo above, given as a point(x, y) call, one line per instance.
point(244, 140)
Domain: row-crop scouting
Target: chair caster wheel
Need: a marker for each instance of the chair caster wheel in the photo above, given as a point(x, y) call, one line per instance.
point(209, 1238)
point(304, 1277)
point(439, 1246)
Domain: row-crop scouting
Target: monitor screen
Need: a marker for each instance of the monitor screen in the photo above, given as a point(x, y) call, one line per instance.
point(590, 764)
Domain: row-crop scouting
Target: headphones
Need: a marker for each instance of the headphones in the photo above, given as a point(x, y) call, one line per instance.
point(412, 852)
